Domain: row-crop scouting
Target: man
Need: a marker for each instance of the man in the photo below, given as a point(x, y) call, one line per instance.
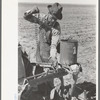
point(76, 69)
point(49, 32)
point(71, 79)
point(56, 92)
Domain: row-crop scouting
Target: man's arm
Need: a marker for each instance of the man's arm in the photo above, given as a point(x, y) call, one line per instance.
point(34, 16)
point(56, 31)
point(28, 15)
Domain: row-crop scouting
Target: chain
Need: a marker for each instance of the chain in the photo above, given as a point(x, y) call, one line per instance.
point(37, 30)
point(36, 33)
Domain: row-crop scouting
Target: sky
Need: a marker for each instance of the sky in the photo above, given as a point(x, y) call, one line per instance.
point(61, 1)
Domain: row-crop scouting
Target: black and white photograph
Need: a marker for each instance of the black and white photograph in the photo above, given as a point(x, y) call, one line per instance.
point(57, 50)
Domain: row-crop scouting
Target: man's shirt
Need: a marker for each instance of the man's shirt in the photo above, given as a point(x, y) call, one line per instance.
point(49, 33)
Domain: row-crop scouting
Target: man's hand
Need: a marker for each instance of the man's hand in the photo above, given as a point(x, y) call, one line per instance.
point(53, 61)
point(53, 57)
point(32, 11)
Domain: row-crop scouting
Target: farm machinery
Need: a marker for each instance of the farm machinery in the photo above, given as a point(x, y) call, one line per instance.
point(39, 86)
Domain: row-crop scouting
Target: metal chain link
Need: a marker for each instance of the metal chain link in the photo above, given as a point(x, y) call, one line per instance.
point(37, 30)
point(36, 33)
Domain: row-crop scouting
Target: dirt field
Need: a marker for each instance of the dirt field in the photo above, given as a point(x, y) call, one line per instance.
point(79, 22)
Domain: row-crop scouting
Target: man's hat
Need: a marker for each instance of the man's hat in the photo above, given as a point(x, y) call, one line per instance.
point(56, 10)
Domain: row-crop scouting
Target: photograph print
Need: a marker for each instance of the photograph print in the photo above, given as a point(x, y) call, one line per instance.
point(57, 50)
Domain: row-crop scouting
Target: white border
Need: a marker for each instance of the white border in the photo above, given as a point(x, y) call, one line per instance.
point(9, 52)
